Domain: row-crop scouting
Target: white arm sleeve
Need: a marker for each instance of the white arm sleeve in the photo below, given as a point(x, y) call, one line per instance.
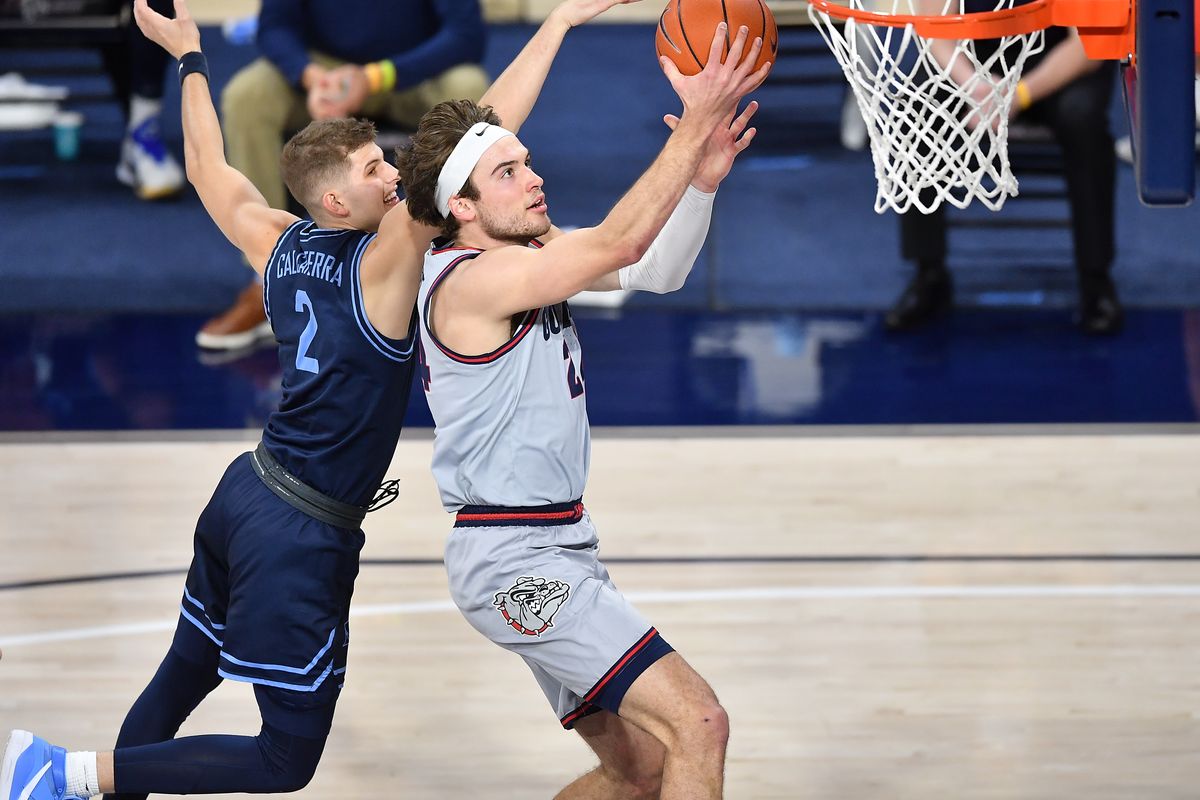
point(666, 265)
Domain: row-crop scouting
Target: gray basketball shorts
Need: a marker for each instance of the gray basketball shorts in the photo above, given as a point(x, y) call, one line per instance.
point(530, 580)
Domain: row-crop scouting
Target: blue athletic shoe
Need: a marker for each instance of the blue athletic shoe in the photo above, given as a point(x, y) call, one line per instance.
point(33, 769)
point(147, 166)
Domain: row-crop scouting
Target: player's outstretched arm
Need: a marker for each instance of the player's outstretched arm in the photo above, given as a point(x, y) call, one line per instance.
point(513, 279)
point(514, 93)
point(238, 208)
point(391, 271)
point(669, 260)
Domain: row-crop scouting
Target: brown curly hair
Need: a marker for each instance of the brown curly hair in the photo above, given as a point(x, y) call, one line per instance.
point(317, 156)
point(421, 160)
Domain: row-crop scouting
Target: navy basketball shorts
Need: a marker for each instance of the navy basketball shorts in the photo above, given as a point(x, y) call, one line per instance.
point(271, 586)
point(541, 592)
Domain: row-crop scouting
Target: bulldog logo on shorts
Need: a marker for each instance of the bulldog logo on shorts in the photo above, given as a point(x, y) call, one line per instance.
point(529, 605)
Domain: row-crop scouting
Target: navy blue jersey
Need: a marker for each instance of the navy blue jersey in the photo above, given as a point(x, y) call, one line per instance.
point(345, 385)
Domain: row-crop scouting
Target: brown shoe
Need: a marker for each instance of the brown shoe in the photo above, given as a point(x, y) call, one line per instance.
point(241, 325)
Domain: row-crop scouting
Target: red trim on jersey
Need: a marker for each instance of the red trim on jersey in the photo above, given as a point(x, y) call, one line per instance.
point(525, 327)
point(583, 710)
point(451, 266)
point(486, 358)
point(633, 651)
point(575, 513)
point(437, 251)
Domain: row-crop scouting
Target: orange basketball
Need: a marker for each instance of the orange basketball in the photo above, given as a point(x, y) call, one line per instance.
point(686, 28)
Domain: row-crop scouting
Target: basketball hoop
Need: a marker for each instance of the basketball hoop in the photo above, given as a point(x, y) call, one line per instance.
point(936, 98)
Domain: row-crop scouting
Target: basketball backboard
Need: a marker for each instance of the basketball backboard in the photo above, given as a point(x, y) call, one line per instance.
point(1161, 100)
point(938, 129)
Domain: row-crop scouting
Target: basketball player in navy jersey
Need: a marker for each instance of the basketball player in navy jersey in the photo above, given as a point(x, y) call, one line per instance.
point(267, 596)
point(503, 374)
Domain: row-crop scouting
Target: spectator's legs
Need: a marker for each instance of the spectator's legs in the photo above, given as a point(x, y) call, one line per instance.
point(148, 61)
point(258, 109)
point(1078, 115)
point(116, 60)
point(146, 165)
point(930, 291)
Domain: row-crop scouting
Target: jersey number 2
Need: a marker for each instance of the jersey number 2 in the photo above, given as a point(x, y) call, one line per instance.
point(303, 360)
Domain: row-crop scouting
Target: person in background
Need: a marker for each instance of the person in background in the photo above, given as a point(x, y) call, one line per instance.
point(137, 72)
point(1070, 94)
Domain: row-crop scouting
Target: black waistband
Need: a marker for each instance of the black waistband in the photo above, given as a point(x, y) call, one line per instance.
point(502, 516)
point(301, 496)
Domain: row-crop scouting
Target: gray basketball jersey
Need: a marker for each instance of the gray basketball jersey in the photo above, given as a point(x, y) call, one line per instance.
point(512, 426)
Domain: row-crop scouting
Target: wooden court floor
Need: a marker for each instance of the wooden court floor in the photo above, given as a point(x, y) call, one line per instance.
point(891, 616)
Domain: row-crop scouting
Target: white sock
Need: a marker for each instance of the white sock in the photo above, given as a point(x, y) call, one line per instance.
point(142, 109)
point(81, 775)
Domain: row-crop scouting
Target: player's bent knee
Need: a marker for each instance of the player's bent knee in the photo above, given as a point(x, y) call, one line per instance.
point(714, 724)
point(297, 770)
point(704, 726)
point(291, 760)
point(294, 780)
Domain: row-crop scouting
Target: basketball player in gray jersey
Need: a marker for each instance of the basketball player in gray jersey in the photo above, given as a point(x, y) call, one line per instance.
point(503, 372)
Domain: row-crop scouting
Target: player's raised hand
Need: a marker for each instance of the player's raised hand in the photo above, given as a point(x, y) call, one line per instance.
point(577, 12)
point(176, 36)
point(714, 92)
point(725, 144)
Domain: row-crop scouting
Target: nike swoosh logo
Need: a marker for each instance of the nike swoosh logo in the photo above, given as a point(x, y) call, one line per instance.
point(481, 133)
point(29, 787)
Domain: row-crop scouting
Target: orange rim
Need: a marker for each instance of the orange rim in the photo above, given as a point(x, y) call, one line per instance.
point(982, 25)
point(1106, 27)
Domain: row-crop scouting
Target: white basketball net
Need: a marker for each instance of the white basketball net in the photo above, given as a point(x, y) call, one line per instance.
point(936, 114)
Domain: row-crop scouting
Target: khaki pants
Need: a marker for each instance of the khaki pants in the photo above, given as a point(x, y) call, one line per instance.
point(259, 108)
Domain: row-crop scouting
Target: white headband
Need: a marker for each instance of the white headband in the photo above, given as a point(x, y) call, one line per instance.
point(466, 155)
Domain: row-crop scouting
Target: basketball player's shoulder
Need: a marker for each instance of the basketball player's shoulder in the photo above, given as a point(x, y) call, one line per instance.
point(289, 236)
point(495, 255)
